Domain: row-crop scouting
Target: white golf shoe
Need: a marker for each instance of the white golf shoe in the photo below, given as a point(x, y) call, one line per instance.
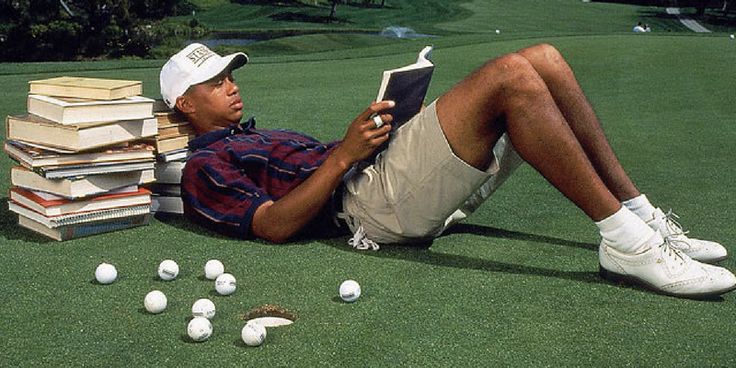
point(663, 269)
point(700, 250)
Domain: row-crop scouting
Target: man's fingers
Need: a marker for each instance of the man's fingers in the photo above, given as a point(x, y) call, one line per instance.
point(377, 121)
point(382, 105)
point(375, 108)
point(386, 118)
point(379, 139)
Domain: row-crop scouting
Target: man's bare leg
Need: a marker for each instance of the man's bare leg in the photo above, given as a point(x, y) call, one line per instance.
point(508, 95)
point(579, 114)
point(569, 97)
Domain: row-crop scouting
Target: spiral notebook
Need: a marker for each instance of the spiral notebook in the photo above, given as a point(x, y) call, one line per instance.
point(78, 218)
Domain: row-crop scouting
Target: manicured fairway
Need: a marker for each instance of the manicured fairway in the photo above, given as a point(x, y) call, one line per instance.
point(516, 285)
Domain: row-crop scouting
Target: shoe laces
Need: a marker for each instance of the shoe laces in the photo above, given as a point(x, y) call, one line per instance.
point(673, 227)
point(674, 254)
point(675, 234)
point(360, 240)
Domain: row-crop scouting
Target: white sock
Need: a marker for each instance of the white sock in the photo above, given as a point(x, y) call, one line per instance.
point(640, 206)
point(626, 232)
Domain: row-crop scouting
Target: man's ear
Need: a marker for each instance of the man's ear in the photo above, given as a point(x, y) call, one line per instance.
point(185, 105)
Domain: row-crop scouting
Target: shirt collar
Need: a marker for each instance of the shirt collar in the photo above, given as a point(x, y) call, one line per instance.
point(208, 138)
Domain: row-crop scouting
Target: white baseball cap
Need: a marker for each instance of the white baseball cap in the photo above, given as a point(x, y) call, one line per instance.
point(192, 65)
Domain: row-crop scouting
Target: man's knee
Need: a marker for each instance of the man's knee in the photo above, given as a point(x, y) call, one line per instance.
point(542, 55)
point(516, 75)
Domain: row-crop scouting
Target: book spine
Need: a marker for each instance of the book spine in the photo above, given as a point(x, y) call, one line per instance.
point(94, 228)
point(71, 172)
point(167, 204)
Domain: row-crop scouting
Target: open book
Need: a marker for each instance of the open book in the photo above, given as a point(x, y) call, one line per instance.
point(407, 86)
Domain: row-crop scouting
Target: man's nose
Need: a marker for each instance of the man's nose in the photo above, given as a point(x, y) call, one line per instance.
point(232, 86)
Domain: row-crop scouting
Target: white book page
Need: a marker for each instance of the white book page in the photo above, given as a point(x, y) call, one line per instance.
point(68, 101)
point(53, 197)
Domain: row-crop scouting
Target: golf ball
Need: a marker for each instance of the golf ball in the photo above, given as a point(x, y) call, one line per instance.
point(213, 268)
point(155, 302)
point(225, 284)
point(498, 31)
point(349, 291)
point(203, 308)
point(253, 334)
point(168, 270)
point(199, 329)
point(106, 273)
point(732, 37)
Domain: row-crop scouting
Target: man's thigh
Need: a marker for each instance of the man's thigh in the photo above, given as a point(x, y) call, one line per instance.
point(414, 186)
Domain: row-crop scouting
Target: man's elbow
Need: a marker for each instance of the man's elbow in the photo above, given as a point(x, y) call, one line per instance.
point(274, 234)
point(272, 227)
point(276, 238)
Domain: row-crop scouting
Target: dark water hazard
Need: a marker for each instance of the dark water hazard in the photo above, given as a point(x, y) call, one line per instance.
point(402, 32)
point(213, 42)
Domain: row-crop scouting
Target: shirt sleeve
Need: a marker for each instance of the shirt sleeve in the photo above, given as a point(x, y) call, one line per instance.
point(220, 195)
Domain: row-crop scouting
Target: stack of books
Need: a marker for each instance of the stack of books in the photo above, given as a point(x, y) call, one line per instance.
point(167, 189)
point(174, 133)
point(81, 157)
point(171, 143)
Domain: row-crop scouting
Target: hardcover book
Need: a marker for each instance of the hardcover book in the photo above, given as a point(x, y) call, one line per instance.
point(81, 187)
point(170, 190)
point(180, 154)
point(71, 111)
point(80, 217)
point(167, 204)
point(35, 129)
point(34, 156)
point(53, 197)
point(73, 171)
point(169, 172)
point(168, 117)
point(171, 144)
point(61, 206)
point(176, 130)
point(83, 87)
point(407, 86)
point(85, 229)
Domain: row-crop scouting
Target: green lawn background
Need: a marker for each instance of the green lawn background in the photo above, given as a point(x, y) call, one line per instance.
point(515, 286)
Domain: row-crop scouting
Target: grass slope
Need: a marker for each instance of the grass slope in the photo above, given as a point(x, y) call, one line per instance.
point(531, 18)
point(515, 286)
point(564, 16)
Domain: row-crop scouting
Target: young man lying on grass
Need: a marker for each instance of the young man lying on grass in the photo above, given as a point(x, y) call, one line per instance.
point(439, 167)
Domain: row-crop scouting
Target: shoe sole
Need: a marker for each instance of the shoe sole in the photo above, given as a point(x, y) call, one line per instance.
point(635, 281)
point(711, 261)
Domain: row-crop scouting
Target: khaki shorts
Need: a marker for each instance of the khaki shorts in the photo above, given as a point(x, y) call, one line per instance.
point(418, 187)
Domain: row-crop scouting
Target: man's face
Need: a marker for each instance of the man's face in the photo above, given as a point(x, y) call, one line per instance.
point(216, 103)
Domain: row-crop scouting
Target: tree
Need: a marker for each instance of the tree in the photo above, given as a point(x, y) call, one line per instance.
point(333, 9)
point(700, 8)
point(699, 5)
point(33, 30)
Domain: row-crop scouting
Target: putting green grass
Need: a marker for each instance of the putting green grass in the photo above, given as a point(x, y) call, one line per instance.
point(516, 285)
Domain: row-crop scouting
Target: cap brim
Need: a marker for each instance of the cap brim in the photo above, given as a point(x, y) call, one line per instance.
point(229, 62)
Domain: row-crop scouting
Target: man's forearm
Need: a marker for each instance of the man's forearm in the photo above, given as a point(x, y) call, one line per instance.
point(278, 221)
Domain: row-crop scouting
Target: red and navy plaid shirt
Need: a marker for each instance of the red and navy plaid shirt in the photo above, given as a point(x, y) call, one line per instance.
point(231, 172)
